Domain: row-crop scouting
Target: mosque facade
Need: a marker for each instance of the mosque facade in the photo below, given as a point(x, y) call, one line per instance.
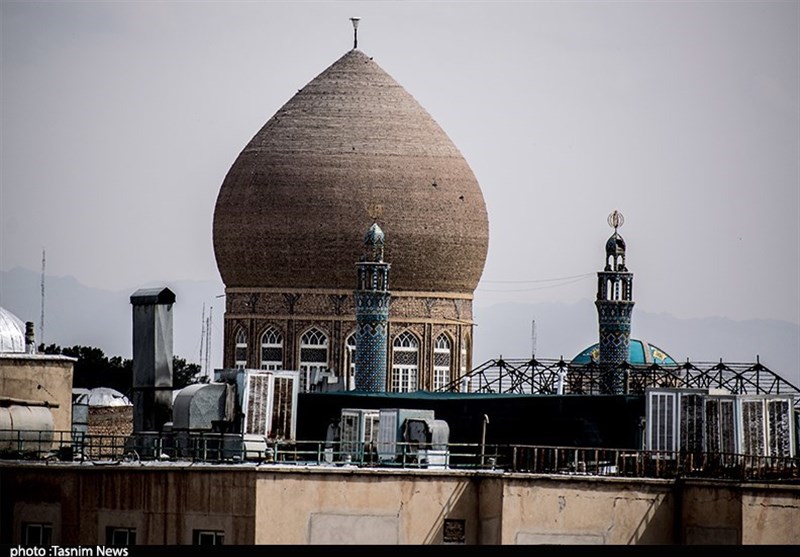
point(350, 149)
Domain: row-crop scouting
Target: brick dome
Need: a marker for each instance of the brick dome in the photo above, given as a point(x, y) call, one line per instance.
point(350, 148)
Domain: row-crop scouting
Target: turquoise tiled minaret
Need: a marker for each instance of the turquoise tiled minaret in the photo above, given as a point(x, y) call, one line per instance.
point(614, 307)
point(372, 314)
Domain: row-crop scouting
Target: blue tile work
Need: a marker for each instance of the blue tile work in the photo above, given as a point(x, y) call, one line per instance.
point(372, 299)
point(614, 319)
point(372, 317)
point(614, 308)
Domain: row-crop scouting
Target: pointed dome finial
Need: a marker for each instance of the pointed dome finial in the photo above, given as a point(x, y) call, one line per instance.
point(374, 241)
point(355, 21)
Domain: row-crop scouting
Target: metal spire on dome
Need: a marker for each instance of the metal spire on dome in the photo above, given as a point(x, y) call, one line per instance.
point(355, 21)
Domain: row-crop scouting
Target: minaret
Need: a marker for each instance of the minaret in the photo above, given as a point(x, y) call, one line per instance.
point(614, 307)
point(372, 314)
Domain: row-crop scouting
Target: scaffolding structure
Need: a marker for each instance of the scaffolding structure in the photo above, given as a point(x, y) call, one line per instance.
point(551, 376)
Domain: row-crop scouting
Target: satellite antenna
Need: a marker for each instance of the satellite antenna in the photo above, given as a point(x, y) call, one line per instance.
point(355, 21)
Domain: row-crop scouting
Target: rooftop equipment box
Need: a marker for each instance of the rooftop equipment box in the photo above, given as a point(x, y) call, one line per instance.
point(391, 445)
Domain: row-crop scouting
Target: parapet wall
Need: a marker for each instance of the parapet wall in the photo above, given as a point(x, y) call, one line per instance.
point(271, 504)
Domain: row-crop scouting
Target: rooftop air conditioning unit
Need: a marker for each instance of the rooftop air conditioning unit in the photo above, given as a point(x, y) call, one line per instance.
point(358, 434)
point(391, 444)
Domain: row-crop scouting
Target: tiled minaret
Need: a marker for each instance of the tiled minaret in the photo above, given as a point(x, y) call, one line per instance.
point(372, 314)
point(614, 307)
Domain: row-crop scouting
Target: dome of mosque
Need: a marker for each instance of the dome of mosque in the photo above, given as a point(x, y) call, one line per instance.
point(350, 148)
point(12, 332)
point(100, 397)
point(615, 245)
point(642, 353)
point(374, 236)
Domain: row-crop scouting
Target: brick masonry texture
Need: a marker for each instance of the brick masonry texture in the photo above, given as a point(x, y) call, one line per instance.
point(319, 310)
point(350, 146)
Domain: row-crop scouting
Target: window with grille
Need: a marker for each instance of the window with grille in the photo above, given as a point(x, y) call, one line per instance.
point(661, 422)
point(349, 432)
point(208, 537)
point(691, 422)
point(465, 384)
point(767, 426)
point(272, 349)
point(405, 363)
point(721, 425)
point(441, 362)
point(282, 408)
point(779, 413)
point(257, 403)
point(350, 364)
point(37, 533)
point(313, 357)
point(116, 535)
point(240, 350)
point(754, 434)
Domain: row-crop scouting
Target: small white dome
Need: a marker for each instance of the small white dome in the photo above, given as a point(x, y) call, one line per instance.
point(12, 332)
point(103, 397)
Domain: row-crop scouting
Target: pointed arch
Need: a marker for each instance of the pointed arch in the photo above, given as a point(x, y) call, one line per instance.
point(240, 348)
point(271, 348)
point(313, 356)
point(405, 363)
point(349, 375)
point(442, 361)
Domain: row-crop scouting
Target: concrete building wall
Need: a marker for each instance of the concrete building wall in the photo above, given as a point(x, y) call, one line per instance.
point(364, 508)
point(584, 510)
point(770, 518)
point(250, 504)
point(40, 378)
point(737, 514)
point(163, 505)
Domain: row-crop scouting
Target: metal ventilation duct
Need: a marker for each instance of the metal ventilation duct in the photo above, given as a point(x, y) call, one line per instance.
point(152, 358)
point(199, 407)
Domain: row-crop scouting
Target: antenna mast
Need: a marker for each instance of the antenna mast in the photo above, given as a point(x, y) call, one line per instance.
point(208, 342)
point(533, 337)
point(41, 318)
point(202, 332)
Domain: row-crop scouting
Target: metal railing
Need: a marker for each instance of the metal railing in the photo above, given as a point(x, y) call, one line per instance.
point(226, 449)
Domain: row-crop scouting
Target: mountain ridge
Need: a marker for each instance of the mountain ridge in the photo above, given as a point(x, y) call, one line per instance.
point(83, 315)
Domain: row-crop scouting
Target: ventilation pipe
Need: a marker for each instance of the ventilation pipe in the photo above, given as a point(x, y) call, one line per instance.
point(30, 338)
point(152, 358)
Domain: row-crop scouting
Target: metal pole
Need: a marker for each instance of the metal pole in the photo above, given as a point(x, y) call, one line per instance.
point(483, 439)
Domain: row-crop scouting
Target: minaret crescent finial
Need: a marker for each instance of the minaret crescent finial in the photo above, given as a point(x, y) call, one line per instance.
point(615, 220)
point(355, 21)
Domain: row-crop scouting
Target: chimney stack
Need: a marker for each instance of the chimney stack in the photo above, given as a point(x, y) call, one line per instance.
point(30, 338)
point(152, 358)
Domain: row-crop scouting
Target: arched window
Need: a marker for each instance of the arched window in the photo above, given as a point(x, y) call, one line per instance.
point(405, 363)
point(441, 362)
point(313, 357)
point(350, 363)
point(464, 368)
point(272, 349)
point(240, 350)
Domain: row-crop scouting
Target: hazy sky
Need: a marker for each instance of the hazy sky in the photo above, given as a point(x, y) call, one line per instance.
point(121, 119)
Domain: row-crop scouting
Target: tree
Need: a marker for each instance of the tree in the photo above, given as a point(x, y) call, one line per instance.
point(184, 374)
point(93, 369)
